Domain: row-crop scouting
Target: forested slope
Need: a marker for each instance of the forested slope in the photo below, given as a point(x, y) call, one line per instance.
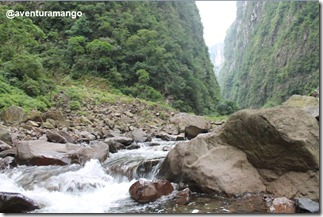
point(150, 50)
point(271, 52)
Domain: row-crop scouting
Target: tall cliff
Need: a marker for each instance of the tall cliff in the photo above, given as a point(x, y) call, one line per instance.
point(145, 49)
point(217, 56)
point(271, 52)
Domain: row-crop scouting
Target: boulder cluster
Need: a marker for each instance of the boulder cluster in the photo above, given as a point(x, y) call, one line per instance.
point(272, 151)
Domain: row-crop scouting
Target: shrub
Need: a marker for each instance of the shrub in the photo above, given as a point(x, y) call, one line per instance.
point(74, 105)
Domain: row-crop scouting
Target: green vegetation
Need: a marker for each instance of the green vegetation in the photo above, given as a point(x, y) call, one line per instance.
point(271, 52)
point(149, 50)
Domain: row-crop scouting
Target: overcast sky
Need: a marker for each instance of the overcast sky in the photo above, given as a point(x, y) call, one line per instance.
point(217, 16)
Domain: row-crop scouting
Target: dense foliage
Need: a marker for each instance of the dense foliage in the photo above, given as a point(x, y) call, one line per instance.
point(150, 50)
point(271, 52)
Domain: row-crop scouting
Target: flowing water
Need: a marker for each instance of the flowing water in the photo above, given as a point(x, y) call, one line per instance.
point(103, 188)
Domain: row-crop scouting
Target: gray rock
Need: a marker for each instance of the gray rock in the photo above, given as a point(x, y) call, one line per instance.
point(40, 152)
point(5, 135)
point(55, 137)
point(114, 147)
point(191, 125)
point(310, 104)
point(7, 162)
point(282, 143)
point(119, 139)
point(306, 205)
point(139, 135)
point(53, 114)
point(9, 152)
point(12, 115)
point(86, 136)
point(4, 146)
point(133, 146)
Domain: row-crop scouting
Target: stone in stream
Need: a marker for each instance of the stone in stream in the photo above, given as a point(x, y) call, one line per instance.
point(144, 191)
point(305, 205)
point(183, 197)
point(7, 162)
point(145, 167)
point(16, 203)
point(119, 139)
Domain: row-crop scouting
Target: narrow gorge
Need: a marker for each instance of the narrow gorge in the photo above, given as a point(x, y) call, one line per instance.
point(121, 110)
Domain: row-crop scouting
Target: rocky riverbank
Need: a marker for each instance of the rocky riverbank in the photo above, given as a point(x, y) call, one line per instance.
point(267, 151)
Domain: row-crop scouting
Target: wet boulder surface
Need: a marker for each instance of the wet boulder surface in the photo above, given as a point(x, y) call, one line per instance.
point(16, 203)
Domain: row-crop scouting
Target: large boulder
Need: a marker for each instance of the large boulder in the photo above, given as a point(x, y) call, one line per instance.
point(310, 104)
point(274, 150)
point(191, 125)
point(40, 152)
point(144, 191)
point(16, 203)
point(12, 115)
point(280, 139)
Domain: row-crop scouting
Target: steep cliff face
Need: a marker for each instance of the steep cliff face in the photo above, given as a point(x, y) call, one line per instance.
point(217, 56)
point(271, 52)
point(149, 50)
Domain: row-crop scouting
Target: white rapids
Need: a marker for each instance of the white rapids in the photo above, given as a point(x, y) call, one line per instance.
point(81, 189)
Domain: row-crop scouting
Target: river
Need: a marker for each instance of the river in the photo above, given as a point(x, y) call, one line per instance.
point(103, 188)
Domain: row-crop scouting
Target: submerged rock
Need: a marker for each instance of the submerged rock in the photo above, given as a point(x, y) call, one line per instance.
point(16, 203)
point(144, 191)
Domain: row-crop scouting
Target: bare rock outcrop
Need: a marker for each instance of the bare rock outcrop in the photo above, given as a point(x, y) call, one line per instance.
point(272, 150)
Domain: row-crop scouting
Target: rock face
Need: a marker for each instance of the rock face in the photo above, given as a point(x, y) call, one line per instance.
point(192, 125)
point(12, 115)
point(274, 150)
point(310, 104)
point(144, 191)
point(16, 203)
point(40, 152)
